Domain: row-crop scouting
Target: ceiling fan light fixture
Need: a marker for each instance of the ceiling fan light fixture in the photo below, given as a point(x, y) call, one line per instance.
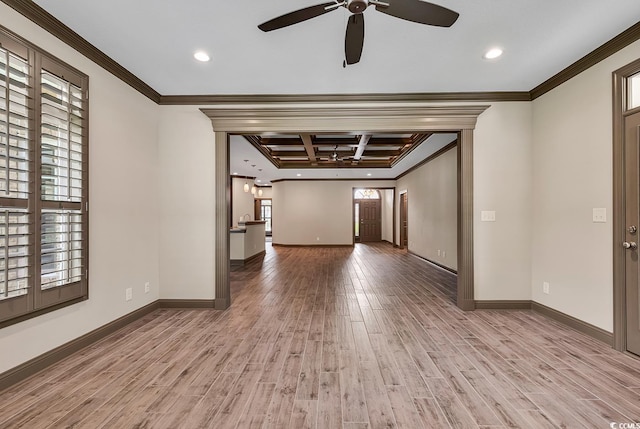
point(492, 54)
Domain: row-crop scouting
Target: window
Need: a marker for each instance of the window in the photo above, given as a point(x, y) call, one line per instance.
point(43, 182)
point(634, 91)
point(366, 194)
point(265, 214)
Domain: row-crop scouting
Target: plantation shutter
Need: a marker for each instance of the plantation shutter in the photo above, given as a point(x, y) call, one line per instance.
point(16, 229)
point(62, 268)
point(44, 234)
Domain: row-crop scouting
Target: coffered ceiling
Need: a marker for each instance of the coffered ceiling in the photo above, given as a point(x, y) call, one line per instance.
point(336, 150)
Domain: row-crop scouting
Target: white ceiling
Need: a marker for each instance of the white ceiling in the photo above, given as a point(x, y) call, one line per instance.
point(155, 40)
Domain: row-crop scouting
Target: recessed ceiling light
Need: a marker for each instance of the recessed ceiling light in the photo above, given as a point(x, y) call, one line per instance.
point(298, 174)
point(201, 56)
point(492, 54)
point(258, 180)
point(235, 173)
point(368, 174)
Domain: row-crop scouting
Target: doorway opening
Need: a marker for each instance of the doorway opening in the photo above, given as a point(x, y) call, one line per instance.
point(382, 114)
point(263, 211)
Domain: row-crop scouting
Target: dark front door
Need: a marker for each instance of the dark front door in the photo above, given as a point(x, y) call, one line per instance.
point(632, 217)
point(370, 222)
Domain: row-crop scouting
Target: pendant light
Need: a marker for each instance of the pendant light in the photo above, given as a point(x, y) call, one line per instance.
point(246, 187)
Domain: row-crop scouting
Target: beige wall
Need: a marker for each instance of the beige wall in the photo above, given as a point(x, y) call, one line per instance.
point(572, 165)
point(316, 212)
point(432, 192)
point(242, 202)
point(186, 148)
point(124, 207)
point(267, 192)
point(387, 214)
point(502, 183)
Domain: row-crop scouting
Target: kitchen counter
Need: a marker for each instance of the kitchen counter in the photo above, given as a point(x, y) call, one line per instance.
point(247, 241)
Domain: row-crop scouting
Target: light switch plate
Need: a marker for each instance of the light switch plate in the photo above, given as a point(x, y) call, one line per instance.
point(488, 216)
point(600, 215)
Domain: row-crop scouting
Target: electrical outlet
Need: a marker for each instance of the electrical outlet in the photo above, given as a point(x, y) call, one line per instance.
point(438, 252)
point(128, 294)
point(488, 216)
point(545, 287)
point(147, 287)
point(444, 254)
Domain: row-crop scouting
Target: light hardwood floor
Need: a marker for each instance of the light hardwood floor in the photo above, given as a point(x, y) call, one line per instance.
point(364, 337)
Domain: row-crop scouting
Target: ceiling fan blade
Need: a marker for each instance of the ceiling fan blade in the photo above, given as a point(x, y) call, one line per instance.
point(296, 16)
point(354, 39)
point(421, 12)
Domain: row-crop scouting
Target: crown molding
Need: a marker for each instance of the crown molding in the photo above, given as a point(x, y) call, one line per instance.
point(609, 48)
point(354, 98)
point(30, 10)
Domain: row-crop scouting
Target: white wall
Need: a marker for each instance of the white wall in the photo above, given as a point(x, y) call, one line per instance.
point(572, 165)
point(316, 212)
point(124, 207)
point(432, 192)
point(187, 230)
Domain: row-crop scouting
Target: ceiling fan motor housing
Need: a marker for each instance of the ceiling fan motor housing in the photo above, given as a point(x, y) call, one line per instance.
point(357, 6)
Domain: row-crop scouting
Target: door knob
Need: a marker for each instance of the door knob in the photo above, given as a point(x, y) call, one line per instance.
point(630, 245)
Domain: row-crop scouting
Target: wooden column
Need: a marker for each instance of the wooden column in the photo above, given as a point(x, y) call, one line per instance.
point(223, 207)
point(466, 299)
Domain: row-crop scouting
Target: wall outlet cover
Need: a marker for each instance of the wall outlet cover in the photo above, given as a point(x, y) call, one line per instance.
point(488, 216)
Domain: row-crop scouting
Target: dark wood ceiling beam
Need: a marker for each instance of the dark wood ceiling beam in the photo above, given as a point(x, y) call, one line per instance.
point(334, 164)
point(265, 141)
point(369, 152)
point(255, 142)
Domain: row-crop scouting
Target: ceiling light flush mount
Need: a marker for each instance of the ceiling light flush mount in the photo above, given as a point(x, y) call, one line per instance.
point(201, 56)
point(492, 54)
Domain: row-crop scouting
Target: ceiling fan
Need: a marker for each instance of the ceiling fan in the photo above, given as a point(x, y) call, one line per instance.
point(410, 10)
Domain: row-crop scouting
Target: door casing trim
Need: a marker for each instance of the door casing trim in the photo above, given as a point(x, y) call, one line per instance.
point(619, 290)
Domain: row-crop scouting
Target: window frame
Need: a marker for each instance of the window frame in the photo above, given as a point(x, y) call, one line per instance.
point(38, 301)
